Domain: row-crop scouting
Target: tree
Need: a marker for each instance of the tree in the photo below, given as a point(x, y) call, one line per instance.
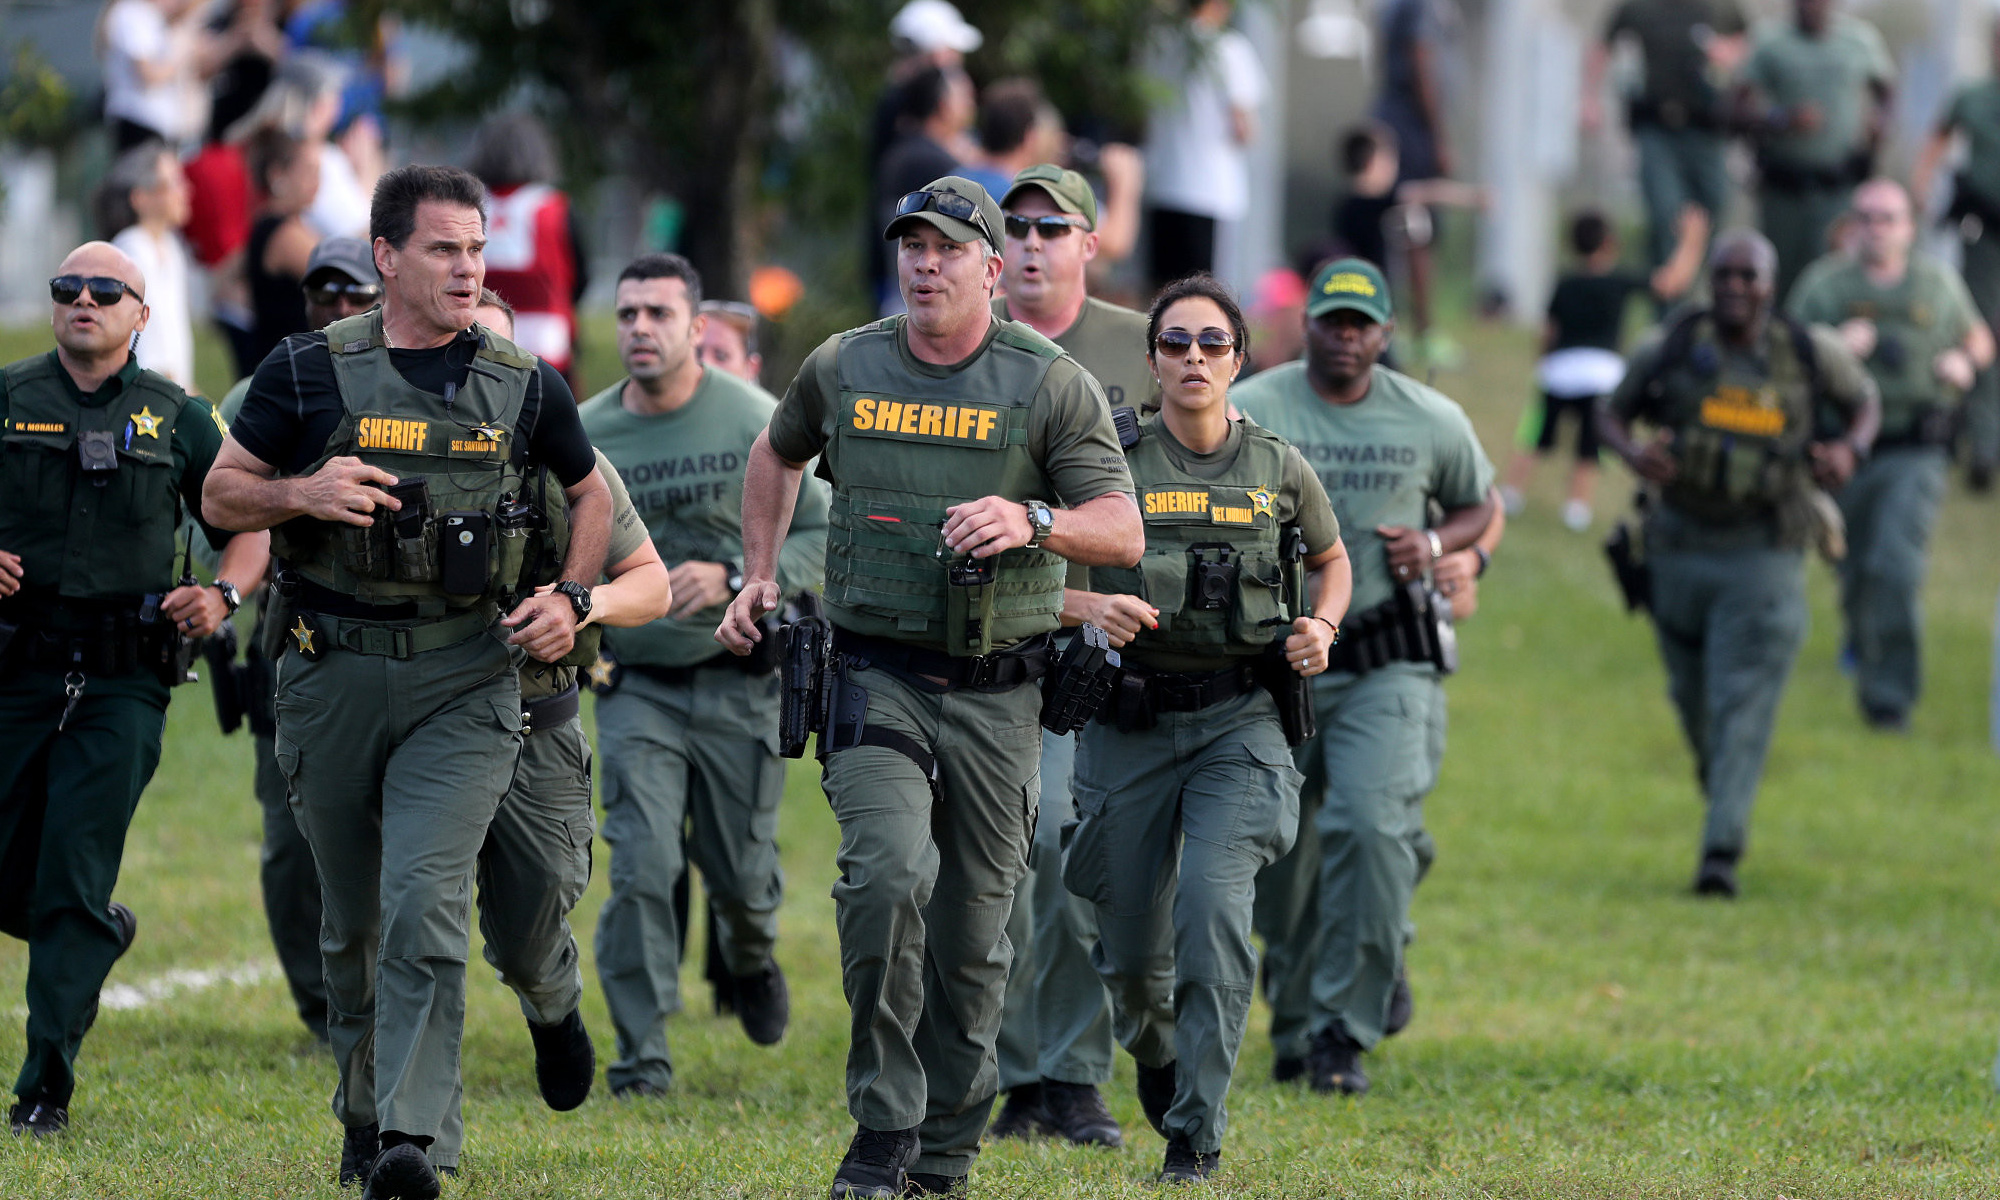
point(685, 97)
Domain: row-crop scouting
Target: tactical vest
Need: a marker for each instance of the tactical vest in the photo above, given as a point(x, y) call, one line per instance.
point(97, 534)
point(906, 447)
point(462, 446)
point(1742, 447)
point(1212, 563)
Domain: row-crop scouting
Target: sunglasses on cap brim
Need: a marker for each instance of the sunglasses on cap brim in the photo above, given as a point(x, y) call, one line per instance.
point(945, 204)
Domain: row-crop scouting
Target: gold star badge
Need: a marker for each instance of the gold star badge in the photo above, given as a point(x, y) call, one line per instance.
point(146, 423)
point(600, 672)
point(304, 633)
point(1261, 500)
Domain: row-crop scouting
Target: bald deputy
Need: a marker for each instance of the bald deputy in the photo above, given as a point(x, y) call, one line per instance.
point(101, 460)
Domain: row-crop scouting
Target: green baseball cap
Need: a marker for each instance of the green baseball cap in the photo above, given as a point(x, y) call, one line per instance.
point(1352, 283)
point(960, 209)
point(1069, 190)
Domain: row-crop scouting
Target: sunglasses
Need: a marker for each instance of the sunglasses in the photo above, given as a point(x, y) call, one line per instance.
point(1175, 343)
point(1049, 227)
point(104, 290)
point(946, 204)
point(326, 295)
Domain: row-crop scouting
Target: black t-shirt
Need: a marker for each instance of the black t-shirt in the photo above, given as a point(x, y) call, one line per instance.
point(1589, 310)
point(293, 405)
point(1357, 226)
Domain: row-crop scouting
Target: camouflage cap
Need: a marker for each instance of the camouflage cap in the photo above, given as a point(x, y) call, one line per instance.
point(1352, 283)
point(960, 209)
point(1070, 191)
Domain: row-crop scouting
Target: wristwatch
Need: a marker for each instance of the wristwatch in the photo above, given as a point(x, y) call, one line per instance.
point(1437, 544)
point(579, 598)
point(230, 596)
point(734, 579)
point(1041, 521)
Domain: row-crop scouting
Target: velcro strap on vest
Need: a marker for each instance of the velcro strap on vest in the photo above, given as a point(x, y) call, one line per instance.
point(550, 711)
point(403, 640)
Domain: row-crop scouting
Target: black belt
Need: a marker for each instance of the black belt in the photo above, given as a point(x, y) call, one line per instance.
point(1023, 662)
point(547, 712)
point(681, 676)
point(1195, 691)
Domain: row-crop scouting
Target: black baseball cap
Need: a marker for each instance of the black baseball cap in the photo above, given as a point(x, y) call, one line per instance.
point(351, 257)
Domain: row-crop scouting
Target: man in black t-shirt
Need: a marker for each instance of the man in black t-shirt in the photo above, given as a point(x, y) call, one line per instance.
point(390, 456)
point(1580, 358)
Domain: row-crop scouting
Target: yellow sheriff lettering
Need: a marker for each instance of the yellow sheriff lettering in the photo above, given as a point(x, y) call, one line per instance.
point(1172, 501)
point(146, 423)
point(932, 422)
point(1741, 410)
point(1352, 283)
point(392, 433)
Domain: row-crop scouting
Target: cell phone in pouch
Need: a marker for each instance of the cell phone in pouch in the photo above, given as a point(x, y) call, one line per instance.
point(462, 548)
point(412, 492)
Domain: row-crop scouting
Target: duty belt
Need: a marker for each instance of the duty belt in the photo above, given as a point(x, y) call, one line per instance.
point(1138, 697)
point(547, 712)
point(1023, 662)
point(400, 640)
point(681, 676)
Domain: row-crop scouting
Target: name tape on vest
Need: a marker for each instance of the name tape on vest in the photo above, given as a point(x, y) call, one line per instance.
point(40, 426)
point(950, 424)
point(1218, 506)
point(1741, 410)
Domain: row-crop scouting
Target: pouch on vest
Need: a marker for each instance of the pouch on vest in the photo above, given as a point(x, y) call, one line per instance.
point(969, 606)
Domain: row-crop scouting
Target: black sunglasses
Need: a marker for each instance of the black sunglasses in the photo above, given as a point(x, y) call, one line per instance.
point(947, 204)
point(1175, 343)
point(104, 290)
point(1048, 227)
point(326, 295)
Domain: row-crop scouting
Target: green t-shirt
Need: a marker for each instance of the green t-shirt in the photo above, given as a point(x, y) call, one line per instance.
point(1382, 459)
point(1975, 112)
point(1928, 311)
point(1110, 342)
point(684, 471)
point(1834, 71)
point(1678, 74)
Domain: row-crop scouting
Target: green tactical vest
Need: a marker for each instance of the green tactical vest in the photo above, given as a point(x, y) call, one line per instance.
point(1192, 520)
point(99, 534)
point(905, 448)
point(464, 451)
point(1741, 446)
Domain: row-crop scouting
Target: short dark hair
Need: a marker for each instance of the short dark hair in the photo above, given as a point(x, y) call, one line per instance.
point(393, 215)
point(923, 94)
point(1007, 113)
point(665, 266)
point(488, 298)
point(267, 151)
point(1360, 145)
point(1588, 231)
point(1205, 286)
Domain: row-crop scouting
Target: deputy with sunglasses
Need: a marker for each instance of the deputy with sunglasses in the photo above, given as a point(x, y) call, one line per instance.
point(1335, 912)
point(1055, 1038)
point(340, 281)
point(1751, 409)
point(99, 461)
point(950, 439)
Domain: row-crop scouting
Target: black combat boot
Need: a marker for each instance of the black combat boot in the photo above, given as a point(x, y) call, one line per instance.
point(923, 1183)
point(1185, 1164)
point(1334, 1063)
point(877, 1165)
point(37, 1119)
point(402, 1172)
point(1156, 1094)
point(565, 1062)
point(763, 1004)
point(1717, 875)
point(1076, 1113)
point(1023, 1116)
point(358, 1148)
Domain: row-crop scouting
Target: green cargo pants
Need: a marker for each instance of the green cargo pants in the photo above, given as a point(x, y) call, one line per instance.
point(1891, 506)
point(1797, 222)
point(1678, 167)
point(1981, 431)
point(1173, 824)
point(532, 871)
point(66, 799)
point(691, 770)
point(1335, 912)
point(396, 767)
point(1057, 1021)
point(926, 885)
point(291, 890)
point(1729, 608)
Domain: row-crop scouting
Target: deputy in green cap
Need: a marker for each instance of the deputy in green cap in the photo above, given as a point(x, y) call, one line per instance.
point(1814, 99)
point(1973, 116)
point(969, 458)
point(1752, 410)
point(1055, 1039)
point(1910, 321)
point(1335, 911)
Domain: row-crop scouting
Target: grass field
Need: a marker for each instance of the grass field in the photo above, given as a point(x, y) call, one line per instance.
point(1584, 1027)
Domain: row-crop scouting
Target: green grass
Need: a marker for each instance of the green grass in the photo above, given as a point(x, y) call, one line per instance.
point(1583, 1027)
